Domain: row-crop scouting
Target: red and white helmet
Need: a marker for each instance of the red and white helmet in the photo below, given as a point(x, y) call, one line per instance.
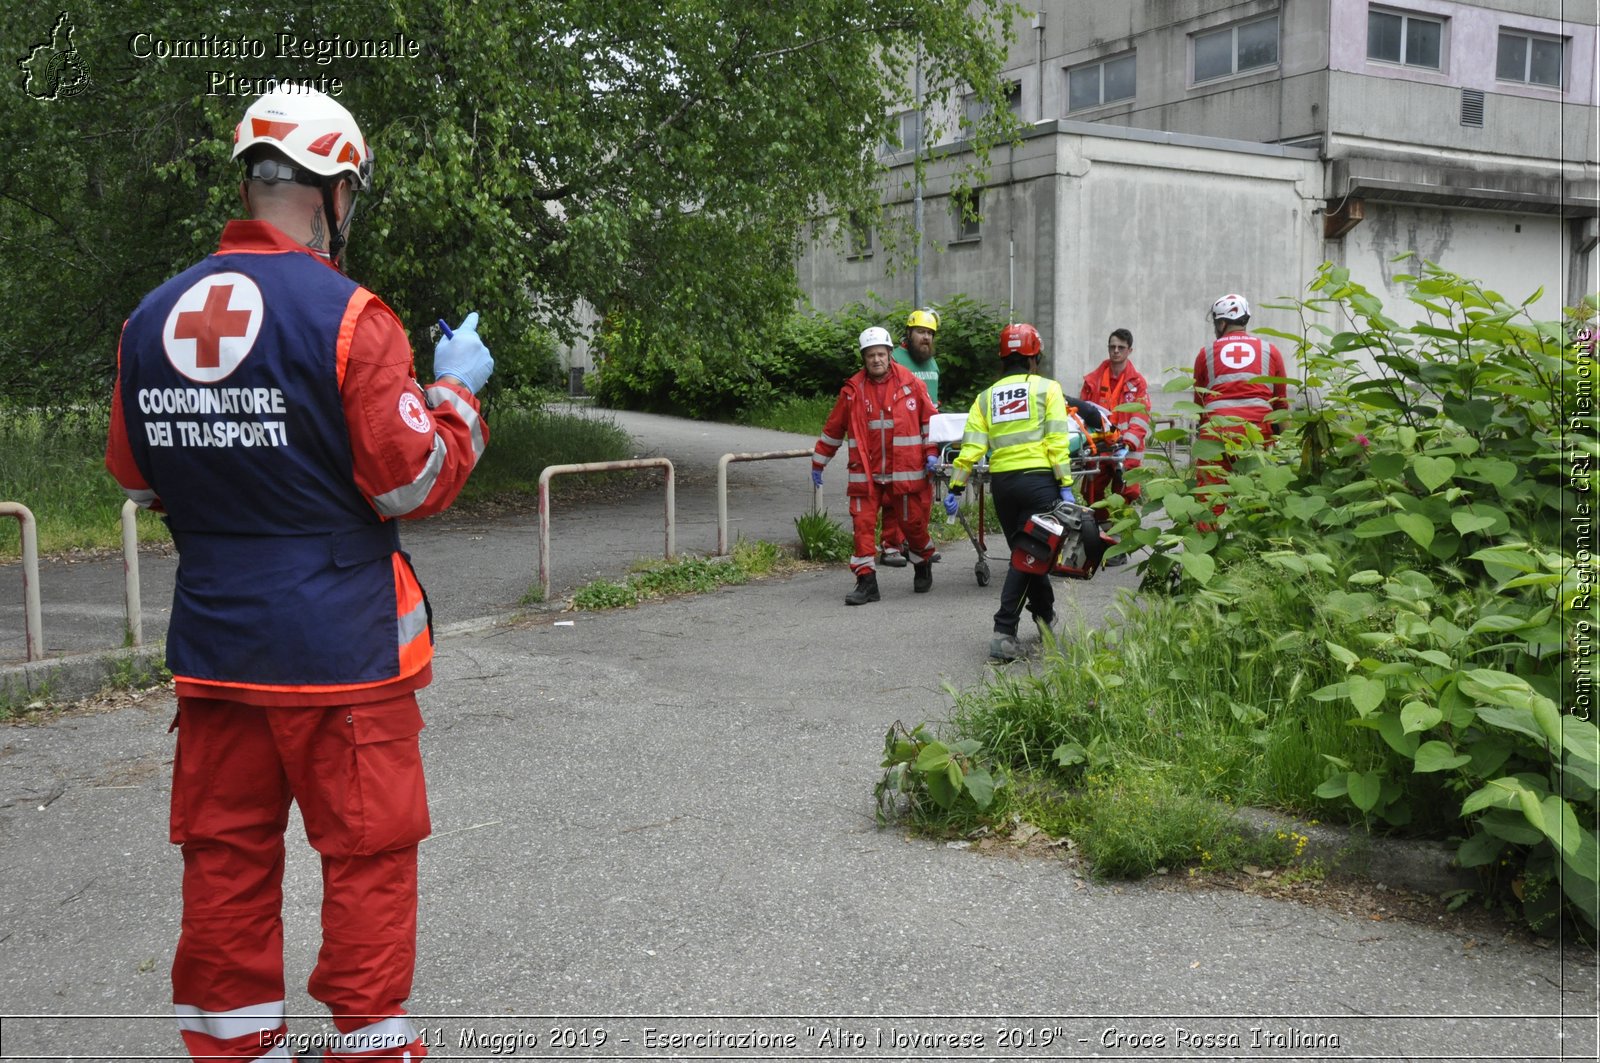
point(874, 337)
point(1020, 339)
point(311, 129)
point(1230, 308)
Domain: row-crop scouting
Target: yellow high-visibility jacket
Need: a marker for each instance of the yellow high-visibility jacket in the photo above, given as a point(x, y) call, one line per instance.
point(1022, 421)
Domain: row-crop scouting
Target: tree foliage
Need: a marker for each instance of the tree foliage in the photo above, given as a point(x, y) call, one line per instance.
point(652, 160)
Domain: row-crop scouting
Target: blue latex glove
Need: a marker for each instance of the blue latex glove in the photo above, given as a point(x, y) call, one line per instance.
point(1120, 452)
point(464, 357)
point(816, 478)
point(1066, 494)
point(932, 462)
point(952, 502)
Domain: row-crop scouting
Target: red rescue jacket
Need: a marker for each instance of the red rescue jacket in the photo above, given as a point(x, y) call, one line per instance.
point(888, 447)
point(1113, 391)
point(1223, 371)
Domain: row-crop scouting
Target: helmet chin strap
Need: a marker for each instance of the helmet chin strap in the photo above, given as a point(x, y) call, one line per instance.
point(337, 231)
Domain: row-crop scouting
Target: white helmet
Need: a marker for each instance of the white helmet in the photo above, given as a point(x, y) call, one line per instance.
point(1230, 308)
point(312, 130)
point(875, 337)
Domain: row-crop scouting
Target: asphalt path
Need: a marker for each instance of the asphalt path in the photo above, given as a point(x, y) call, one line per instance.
point(653, 827)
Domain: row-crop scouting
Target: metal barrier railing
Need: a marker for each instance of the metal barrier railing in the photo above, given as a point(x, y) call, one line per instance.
point(599, 466)
point(722, 486)
point(32, 621)
point(130, 573)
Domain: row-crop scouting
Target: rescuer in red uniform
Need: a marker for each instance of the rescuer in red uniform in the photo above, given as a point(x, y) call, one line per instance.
point(268, 406)
point(1227, 389)
point(884, 411)
point(1113, 383)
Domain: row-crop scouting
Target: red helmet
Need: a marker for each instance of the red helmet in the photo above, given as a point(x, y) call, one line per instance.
point(1020, 339)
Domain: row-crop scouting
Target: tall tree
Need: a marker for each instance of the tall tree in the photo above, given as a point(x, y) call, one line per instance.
point(659, 158)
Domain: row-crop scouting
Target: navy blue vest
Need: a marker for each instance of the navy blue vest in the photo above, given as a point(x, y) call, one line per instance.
point(230, 392)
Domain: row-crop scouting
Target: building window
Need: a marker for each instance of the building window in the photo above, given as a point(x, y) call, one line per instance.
point(860, 236)
point(1407, 39)
point(1529, 59)
point(908, 132)
point(1236, 49)
point(977, 110)
point(964, 207)
point(1096, 84)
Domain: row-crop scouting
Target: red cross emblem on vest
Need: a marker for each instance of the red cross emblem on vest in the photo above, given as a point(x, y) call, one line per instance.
point(1237, 355)
point(212, 326)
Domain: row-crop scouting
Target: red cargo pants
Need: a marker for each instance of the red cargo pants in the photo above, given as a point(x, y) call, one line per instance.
point(356, 773)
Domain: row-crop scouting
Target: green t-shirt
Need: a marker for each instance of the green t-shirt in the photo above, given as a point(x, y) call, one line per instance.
point(927, 372)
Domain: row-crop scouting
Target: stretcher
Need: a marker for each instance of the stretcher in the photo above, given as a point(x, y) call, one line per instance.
point(947, 429)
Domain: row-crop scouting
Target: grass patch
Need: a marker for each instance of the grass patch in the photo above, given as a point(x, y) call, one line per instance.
point(55, 465)
point(804, 416)
point(690, 575)
point(1137, 741)
point(524, 442)
point(822, 538)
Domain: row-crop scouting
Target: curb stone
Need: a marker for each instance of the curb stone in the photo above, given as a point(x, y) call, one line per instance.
point(1422, 866)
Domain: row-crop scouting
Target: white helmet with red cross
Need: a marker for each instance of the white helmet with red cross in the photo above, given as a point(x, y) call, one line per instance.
point(1230, 308)
point(312, 130)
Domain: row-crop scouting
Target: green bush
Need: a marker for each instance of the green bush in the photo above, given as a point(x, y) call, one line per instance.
point(808, 355)
point(1392, 619)
point(1434, 503)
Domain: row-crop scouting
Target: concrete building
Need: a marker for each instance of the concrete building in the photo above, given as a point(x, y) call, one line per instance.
point(1180, 149)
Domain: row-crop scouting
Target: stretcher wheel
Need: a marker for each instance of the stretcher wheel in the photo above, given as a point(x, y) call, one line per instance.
point(981, 570)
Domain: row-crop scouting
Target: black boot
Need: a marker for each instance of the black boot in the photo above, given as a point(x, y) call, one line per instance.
point(866, 590)
point(922, 577)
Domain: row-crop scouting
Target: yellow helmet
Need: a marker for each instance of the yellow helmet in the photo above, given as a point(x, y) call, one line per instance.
point(924, 318)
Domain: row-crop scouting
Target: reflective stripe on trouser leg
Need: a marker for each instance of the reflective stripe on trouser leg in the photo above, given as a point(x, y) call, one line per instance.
point(389, 1039)
point(256, 1031)
point(230, 805)
point(864, 524)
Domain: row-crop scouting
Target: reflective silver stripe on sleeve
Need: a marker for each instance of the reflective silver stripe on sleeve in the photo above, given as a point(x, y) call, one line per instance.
point(144, 499)
point(391, 1033)
point(1063, 473)
point(438, 394)
point(1222, 404)
point(975, 435)
point(820, 458)
point(413, 623)
point(403, 500)
point(226, 1025)
point(829, 440)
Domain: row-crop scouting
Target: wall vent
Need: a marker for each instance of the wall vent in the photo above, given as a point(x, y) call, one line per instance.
point(1472, 107)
